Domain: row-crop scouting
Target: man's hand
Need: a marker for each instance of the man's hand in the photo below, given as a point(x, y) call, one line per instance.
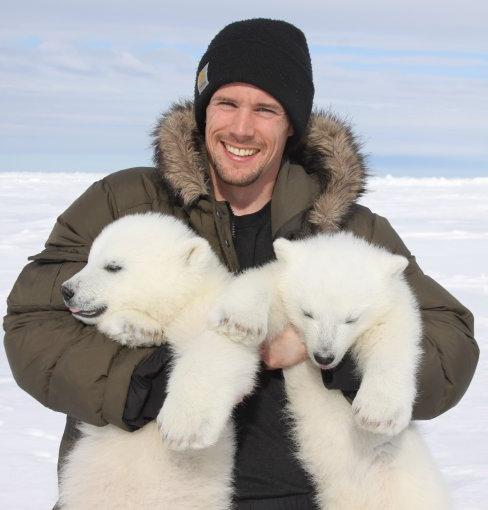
point(284, 350)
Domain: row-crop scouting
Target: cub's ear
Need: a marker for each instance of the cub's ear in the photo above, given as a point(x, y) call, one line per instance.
point(195, 251)
point(396, 264)
point(282, 248)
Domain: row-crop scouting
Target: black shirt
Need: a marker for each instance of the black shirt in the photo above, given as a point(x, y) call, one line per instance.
point(265, 464)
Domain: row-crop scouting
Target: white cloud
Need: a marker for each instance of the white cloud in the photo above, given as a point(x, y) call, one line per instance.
point(411, 75)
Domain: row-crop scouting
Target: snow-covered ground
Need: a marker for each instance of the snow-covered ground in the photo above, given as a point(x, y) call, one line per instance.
point(444, 222)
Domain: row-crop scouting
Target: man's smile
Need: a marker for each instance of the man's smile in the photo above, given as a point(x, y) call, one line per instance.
point(240, 152)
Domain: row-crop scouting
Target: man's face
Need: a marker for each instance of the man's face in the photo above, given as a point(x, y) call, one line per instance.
point(245, 134)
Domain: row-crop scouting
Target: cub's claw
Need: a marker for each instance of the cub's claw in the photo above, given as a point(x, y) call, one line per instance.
point(380, 414)
point(242, 333)
point(183, 426)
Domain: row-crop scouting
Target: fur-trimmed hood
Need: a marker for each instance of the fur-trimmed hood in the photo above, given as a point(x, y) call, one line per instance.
point(328, 150)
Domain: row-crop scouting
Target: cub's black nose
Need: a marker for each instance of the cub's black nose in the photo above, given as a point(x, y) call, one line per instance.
point(67, 292)
point(323, 361)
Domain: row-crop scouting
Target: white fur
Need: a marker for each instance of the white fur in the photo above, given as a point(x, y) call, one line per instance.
point(342, 293)
point(361, 457)
point(168, 280)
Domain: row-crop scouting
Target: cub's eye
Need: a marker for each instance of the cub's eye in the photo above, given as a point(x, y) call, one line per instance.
point(351, 320)
point(112, 267)
point(307, 314)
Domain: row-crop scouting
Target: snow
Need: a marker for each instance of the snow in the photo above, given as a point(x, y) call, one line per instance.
point(444, 222)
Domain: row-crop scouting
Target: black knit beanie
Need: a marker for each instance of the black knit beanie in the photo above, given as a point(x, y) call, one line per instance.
point(270, 54)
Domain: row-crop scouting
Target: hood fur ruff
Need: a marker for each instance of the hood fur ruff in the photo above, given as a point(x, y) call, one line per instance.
point(328, 150)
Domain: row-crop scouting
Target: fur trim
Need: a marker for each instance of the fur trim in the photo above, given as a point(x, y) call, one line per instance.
point(179, 153)
point(331, 152)
point(328, 150)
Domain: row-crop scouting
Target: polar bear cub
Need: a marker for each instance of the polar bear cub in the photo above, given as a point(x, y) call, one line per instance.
point(149, 279)
point(343, 293)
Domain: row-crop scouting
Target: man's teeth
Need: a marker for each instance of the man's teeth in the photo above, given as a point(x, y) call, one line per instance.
point(240, 152)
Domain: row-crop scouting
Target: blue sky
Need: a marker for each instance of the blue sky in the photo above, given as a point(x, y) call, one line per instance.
point(82, 83)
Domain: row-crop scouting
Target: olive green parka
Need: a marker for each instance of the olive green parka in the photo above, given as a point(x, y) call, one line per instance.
point(72, 368)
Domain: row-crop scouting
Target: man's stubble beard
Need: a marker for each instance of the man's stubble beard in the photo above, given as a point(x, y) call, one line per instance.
point(227, 177)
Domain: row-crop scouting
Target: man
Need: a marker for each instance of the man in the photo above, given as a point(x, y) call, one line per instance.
point(245, 165)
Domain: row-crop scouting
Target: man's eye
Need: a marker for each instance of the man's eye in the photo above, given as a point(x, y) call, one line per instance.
point(112, 268)
point(351, 320)
point(308, 314)
point(266, 111)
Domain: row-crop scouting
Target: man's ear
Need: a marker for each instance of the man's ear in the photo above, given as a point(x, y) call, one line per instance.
point(291, 131)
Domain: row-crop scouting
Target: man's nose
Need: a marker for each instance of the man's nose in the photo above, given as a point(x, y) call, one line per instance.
point(242, 127)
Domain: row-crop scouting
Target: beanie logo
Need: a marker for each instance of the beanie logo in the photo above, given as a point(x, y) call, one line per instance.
point(202, 80)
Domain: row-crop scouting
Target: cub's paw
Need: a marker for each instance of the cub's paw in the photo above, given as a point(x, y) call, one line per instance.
point(191, 425)
point(238, 329)
point(132, 328)
point(380, 413)
point(242, 310)
point(244, 323)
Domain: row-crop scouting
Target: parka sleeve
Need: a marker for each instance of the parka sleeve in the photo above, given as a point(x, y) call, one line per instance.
point(66, 365)
point(450, 352)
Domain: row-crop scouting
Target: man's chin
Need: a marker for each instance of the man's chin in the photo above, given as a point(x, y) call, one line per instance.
point(237, 177)
point(232, 173)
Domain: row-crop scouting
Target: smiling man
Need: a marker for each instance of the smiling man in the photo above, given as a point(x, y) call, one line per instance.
point(244, 164)
point(246, 132)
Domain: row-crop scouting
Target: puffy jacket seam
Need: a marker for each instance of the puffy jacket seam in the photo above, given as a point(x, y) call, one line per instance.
point(109, 369)
point(395, 249)
point(119, 211)
point(33, 307)
point(434, 344)
point(445, 398)
point(373, 228)
point(372, 224)
point(53, 370)
point(53, 285)
point(122, 212)
point(112, 199)
point(449, 323)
